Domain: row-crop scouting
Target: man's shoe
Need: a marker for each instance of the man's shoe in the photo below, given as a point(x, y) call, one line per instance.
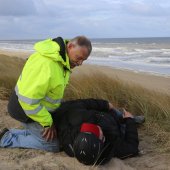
point(139, 119)
point(3, 132)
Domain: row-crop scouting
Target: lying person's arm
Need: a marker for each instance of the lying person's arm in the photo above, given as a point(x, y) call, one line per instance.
point(128, 146)
point(89, 104)
point(96, 104)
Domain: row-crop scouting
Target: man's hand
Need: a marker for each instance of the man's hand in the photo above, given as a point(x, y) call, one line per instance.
point(111, 106)
point(49, 133)
point(127, 114)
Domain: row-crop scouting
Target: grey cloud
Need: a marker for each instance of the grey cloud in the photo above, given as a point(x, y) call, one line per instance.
point(75, 8)
point(102, 18)
point(146, 8)
point(17, 8)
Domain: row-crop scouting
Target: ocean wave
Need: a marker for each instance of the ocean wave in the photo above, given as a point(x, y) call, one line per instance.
point(8, 46)
point(129, 51)
point(162, 62)
point(148, 55)
point(104, 49)
point(158, 60)
point(135, 66)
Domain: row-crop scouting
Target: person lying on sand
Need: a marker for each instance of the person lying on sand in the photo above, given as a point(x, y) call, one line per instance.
point(93, 131)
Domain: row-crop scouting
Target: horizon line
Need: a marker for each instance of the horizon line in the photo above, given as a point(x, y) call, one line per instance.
point(86, 36)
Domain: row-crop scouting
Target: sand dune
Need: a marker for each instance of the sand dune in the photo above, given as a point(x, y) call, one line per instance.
point(28, 159)
point(148, 81)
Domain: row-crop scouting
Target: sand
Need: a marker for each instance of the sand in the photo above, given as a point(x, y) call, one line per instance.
point(149, 81)
point(29, 159)
point(16, 53)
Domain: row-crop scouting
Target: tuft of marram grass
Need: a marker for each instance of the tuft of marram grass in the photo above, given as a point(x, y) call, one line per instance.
point(132, 97)
point(10, 69)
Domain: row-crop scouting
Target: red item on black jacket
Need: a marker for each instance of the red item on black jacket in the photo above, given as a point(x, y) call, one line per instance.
point(71, 114)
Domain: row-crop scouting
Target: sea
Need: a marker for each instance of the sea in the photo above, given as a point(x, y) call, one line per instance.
point(147, 55)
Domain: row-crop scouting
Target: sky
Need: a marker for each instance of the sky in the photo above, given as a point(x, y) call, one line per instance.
point(38, 19)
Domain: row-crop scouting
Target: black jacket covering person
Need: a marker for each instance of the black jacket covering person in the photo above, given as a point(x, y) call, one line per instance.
point(71, 114)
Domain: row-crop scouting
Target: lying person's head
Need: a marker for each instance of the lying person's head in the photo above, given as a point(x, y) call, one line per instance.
point(89, 144)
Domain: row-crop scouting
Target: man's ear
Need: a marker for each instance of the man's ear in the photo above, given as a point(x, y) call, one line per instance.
point(70, 45)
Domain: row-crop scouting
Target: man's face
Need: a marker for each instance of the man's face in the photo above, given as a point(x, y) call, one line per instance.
point(76, 55)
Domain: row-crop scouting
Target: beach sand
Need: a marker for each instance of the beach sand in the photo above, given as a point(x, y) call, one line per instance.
point(16, 53)
point(149, 81)
point(29, 159)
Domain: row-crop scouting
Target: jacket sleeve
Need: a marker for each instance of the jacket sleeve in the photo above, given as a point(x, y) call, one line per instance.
point(128, 146)
point(95, 104)
point(31, 88)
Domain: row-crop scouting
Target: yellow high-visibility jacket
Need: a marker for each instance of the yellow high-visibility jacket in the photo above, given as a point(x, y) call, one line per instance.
point(41, 85)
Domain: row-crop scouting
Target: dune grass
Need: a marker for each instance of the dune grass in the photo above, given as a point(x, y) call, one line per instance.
point(153, 105)
point(10, 69)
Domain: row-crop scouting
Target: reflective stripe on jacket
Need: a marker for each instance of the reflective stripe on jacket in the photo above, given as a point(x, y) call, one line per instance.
point(41, 85)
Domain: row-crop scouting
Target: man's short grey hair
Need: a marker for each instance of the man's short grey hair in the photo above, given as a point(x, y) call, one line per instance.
point(82, 41)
